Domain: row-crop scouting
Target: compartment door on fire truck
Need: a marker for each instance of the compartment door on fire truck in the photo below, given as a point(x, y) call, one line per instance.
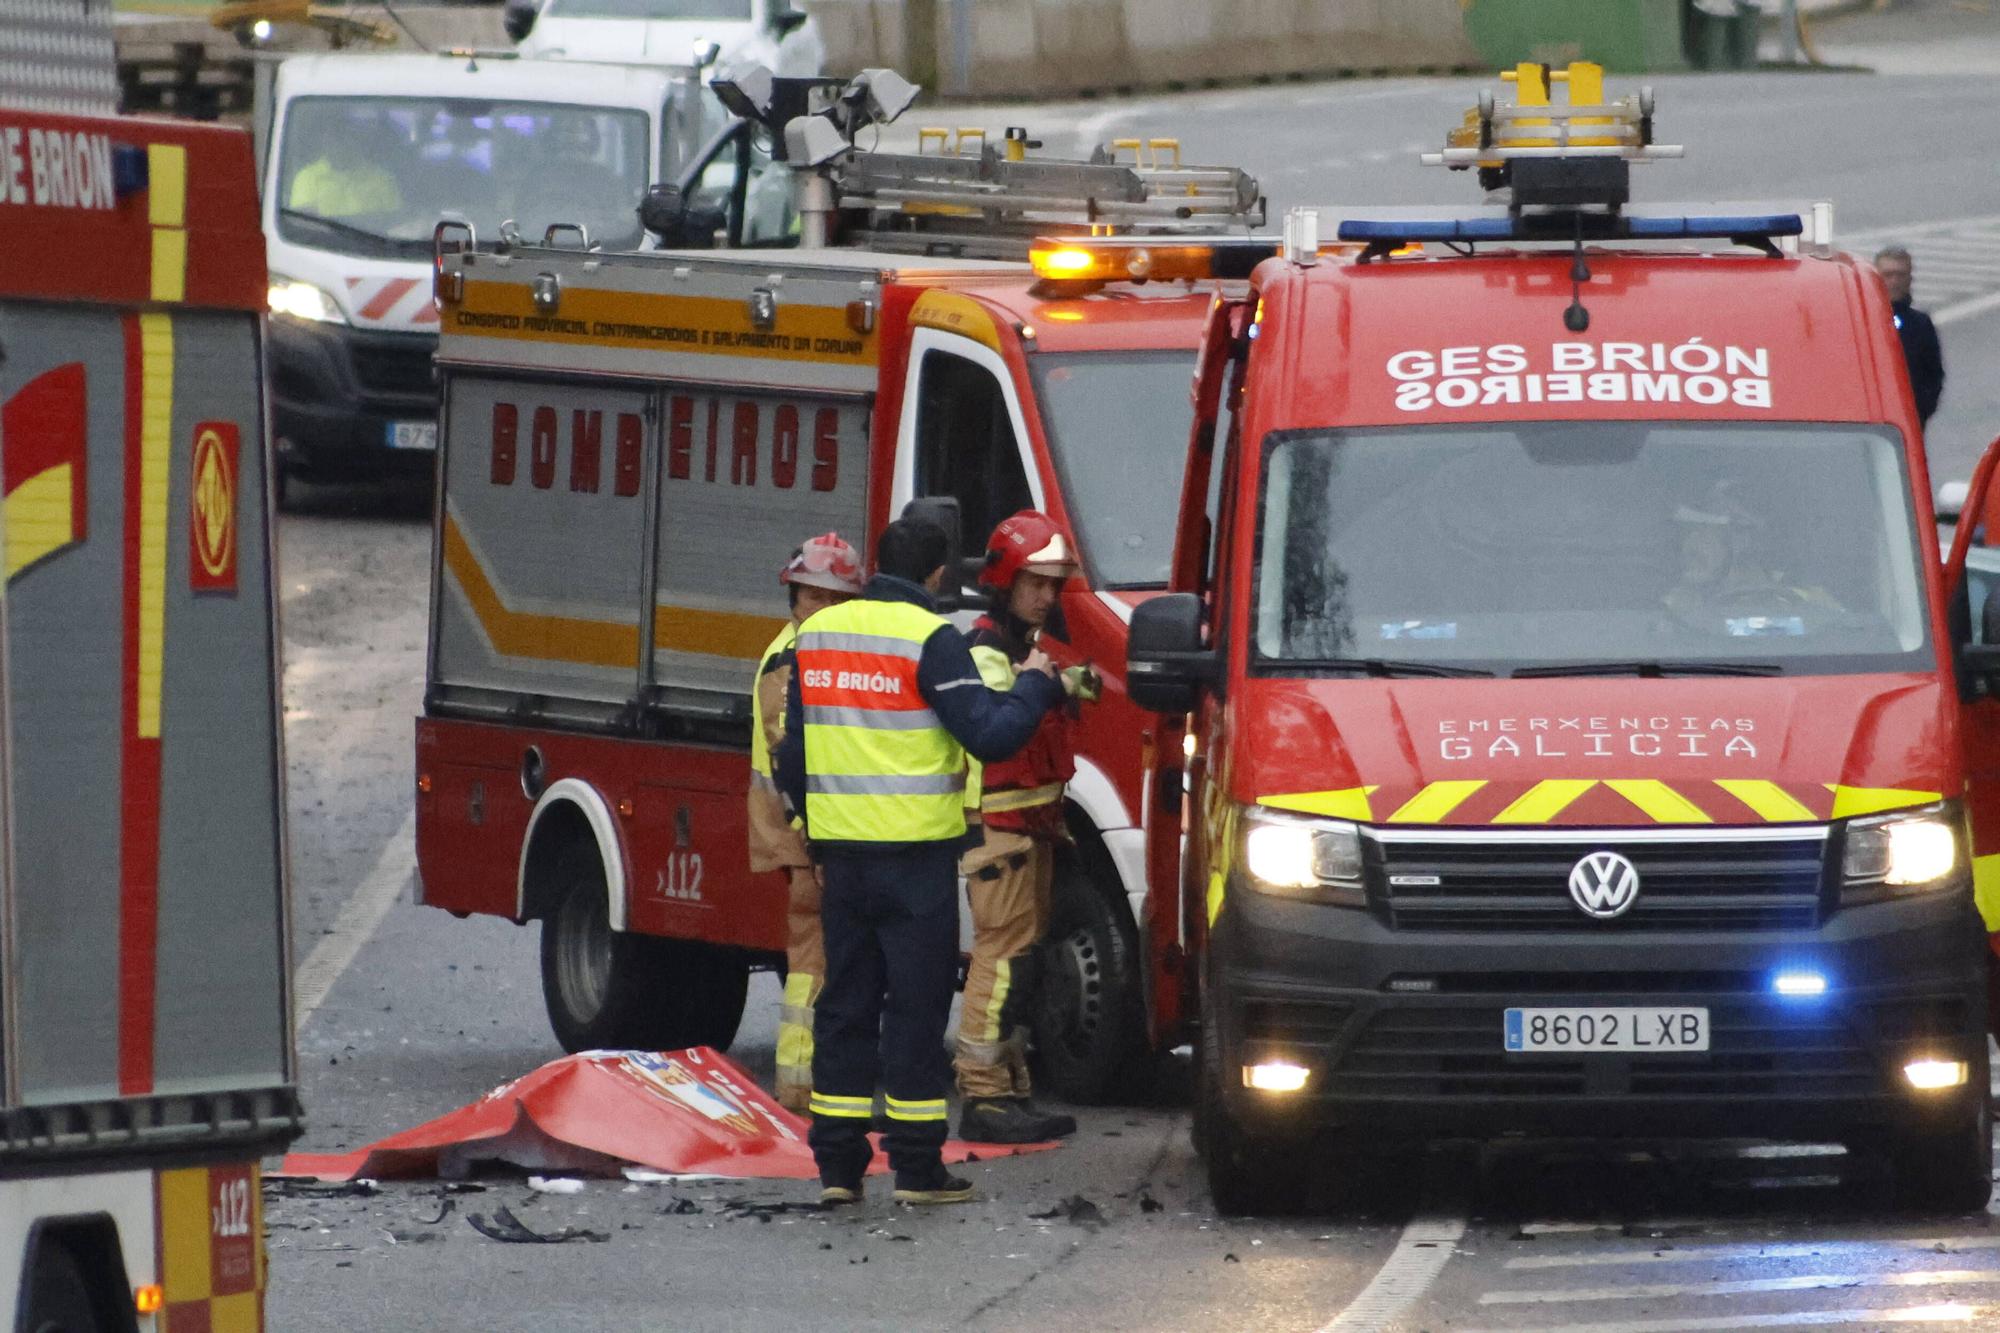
point(962, 431)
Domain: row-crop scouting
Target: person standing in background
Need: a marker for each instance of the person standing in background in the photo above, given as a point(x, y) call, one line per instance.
point(1921, 350)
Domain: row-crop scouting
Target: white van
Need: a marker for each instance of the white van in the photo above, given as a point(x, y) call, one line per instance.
point(776, 34)
point(366, 153)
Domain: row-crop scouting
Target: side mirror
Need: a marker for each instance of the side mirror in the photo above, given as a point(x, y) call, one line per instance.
point(785, 20)
point(1166, 663)
point(943, 510)
point(680, 223)
point(706, 54)
point(518, 18)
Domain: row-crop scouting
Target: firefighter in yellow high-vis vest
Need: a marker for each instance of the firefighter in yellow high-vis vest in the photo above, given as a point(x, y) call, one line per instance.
point(824, 572)
point(884, 707)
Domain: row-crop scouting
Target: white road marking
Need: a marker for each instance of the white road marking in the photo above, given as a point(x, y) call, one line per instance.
point(1909, 1314)
point(1725, 1254)
point(1981, 1277)
point(358, 918)
point(1421, 1253)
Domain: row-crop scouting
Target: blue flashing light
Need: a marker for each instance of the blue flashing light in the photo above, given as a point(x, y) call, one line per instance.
point(1546, 227)
point(1799, 985)
point(1754, 224)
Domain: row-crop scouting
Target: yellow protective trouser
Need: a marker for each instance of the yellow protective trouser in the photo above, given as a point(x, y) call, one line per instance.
point(1007, 882)
point(805, 964)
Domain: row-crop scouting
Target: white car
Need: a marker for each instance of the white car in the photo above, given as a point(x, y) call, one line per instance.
point(772, 33)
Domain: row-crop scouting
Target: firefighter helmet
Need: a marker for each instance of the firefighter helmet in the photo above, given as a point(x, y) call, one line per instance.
point(1029, 542)
point(827, 561)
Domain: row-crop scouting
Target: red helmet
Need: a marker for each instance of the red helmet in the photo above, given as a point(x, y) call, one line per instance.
point(826, 561)
point(1028, 542)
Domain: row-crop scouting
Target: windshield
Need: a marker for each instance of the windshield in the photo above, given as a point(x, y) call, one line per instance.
point(1117, 424)
point(737, 10)
point(1653, 545)
point(372, 175)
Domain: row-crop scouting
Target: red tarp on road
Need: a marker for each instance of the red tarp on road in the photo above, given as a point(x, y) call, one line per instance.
point(690, 1112)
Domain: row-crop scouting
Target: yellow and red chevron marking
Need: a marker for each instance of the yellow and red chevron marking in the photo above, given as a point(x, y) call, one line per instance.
point(1607, 802)
point(211, 1242)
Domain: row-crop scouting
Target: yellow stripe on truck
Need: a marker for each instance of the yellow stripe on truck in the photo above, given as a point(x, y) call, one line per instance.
point(1544, 801)
point(602, 643)
point(1849, 802)
point(1659, 802)
point(642, 321)
point(1434, 803)
point(1349, 803)
point(1768, 799)
point(156, 444)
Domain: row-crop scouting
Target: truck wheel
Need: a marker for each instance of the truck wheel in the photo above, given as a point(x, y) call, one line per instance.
point(613, 990)
point(1090, 1031)
point(1247, 1174)
point(1949, 1172)
point(58, 1293)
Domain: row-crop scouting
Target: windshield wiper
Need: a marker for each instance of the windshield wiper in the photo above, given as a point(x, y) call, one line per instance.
point(1377, 666)
point(344, 228)
point(1649, 669)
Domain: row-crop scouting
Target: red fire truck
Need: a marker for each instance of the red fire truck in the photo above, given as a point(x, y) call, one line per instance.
point(1587, 737)
point(146, 1059)
point(633, 443)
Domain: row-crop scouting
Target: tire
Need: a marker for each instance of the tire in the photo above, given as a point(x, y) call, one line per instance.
point(614, 990)
point(287, 487)
point(1247, 1174)
point(1090, 1025)
point(1949, 1171)
point(58, 1297)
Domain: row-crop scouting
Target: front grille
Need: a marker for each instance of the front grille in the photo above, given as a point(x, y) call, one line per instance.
point(399, 366)
point(1698, 884)
point(1454, 1050)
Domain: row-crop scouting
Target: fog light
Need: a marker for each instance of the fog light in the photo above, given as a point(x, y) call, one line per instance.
point(1278, 1076)
point(149, 1299)
point(1799, 984)
point(1930, 1075)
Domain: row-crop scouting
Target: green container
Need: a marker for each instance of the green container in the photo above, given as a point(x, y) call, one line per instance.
point(1719, 42)
point(1624, 36)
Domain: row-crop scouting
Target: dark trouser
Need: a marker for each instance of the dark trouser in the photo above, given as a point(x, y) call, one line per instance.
point(890, 920)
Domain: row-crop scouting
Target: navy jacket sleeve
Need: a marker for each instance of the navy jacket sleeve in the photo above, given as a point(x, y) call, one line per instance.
point(1926, 366)
point(990, 725)
point(788, 761)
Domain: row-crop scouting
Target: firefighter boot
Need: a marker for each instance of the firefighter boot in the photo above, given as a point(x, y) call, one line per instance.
point(1010, 1120)
point(835, 1194)
point(936, 1185)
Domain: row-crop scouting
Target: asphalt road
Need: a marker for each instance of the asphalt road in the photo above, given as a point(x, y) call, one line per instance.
point(412, 1013)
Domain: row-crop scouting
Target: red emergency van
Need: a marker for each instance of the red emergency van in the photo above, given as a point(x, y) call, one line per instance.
point(1586, 738)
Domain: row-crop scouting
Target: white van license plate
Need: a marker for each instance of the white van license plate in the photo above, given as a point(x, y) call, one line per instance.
point(1639, 1030)
point(413, 435)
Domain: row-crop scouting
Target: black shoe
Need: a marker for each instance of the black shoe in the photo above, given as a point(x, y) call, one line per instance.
point(1010, 1120)
point(934, 1186)
point(1061, 1126)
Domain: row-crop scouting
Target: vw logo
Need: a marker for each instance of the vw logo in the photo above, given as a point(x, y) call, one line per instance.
point(1604, 885)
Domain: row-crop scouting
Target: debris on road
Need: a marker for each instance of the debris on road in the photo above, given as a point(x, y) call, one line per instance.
point(1076, 1209)
point(678, 1113)
point(504, 1226)
point(555, 1185)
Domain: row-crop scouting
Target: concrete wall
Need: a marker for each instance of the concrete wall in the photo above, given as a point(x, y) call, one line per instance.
point(1039, 48)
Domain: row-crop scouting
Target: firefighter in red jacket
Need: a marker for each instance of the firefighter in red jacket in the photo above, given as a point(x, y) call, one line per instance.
point(1009, 876)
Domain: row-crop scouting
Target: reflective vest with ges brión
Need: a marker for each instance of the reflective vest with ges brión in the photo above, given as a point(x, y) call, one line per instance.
point(880, 767)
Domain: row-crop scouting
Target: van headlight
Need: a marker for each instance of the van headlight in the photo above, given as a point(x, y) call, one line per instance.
point(302, 300)
point(1910, 851)
point(1297, 857)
